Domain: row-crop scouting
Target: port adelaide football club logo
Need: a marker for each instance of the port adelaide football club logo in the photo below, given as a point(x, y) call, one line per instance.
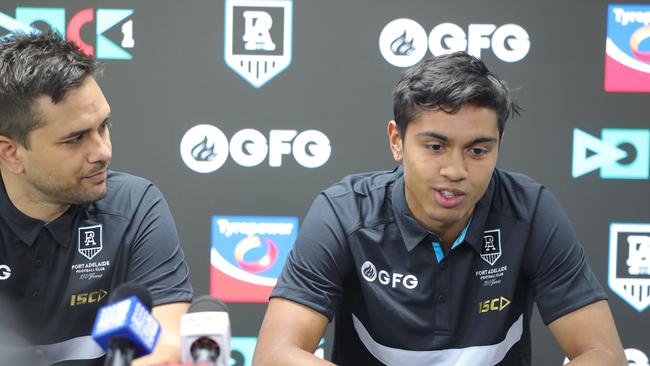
point(491, 250)
point(258, 38)
point(629, 263)
point(89, 241)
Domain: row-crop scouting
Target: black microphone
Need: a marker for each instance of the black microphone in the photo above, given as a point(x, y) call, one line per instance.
point(205, 332)
point(125, 328)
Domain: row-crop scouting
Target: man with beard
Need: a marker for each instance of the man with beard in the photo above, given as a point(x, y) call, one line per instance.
point(71, 230)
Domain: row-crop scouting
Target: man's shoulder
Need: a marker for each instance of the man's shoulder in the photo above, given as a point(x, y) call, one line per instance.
point(516, 192)
point(362, 199)
point(368, 184)
point(125, 193)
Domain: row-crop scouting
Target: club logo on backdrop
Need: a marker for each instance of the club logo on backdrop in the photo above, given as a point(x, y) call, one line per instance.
point(89, 241)
point(629, 263)
point(619, 154)
point(112, 31)
point(404, 42)
point(627, 59)
point(258, 38)
point(491, 250)
point(204, 148)
point(247, 256)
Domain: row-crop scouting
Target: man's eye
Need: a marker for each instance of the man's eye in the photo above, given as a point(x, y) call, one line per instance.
point(434, 147)
point(105, 125)
point(75, 140)
point(478, 151)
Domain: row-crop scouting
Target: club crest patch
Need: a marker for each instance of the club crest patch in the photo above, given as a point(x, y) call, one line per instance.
point(89, 241)
point(491, 250)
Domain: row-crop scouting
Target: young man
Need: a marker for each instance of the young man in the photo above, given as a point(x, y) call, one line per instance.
point(439, 261)
point(71, 230)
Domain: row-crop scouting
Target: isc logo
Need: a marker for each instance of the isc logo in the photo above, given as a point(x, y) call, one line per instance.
point(55, 18)
point(496, 304)
point(87, 297)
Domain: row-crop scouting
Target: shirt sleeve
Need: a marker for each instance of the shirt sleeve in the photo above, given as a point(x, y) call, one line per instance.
point(562, 279)
point(156, 259)
point(317, 265)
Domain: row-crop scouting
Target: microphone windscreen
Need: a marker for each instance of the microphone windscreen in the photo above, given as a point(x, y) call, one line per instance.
point(207, 303)
point(129, 289)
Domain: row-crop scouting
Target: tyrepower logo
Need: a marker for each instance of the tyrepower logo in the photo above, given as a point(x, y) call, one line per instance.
point(620, 153)
point(627, 59)
point(104, 33)
point(247, 256)
point(404, 42)
point(369, 273)
point(205, 148)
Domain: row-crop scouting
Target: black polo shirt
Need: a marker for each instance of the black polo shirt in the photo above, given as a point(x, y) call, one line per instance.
point(55, 276)
point(397, 299)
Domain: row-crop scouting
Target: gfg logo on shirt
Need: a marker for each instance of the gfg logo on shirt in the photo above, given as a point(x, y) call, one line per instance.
point(369, 273)
point(5, 272)
point(627, 60)
point(629, 263)
point(619, 154)
point(107, 37)
point(404, 42)
point(258, 38)
point(247, 256)
point(205, 148)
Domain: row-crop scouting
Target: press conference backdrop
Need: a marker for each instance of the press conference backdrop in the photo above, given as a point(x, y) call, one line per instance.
point(241, 111)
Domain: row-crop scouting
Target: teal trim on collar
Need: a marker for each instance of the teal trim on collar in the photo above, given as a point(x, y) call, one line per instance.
point(437, 247)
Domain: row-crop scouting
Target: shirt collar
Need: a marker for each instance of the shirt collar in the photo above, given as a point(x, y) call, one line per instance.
point(27, 228)
point(413, 233)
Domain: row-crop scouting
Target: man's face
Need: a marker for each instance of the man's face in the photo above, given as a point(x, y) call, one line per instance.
point(448, 161)
point(68, 156)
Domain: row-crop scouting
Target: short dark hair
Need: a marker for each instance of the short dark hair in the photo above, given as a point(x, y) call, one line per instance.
point(32, 65)
point(447, 83)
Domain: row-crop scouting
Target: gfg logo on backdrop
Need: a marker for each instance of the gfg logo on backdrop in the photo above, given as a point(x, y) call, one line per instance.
point(404, 42)
point(629, 263)
point(620, 153)
point(205, 148)
point(112, 26)
point(247, 256)
point(627, 59)
point(257, 38)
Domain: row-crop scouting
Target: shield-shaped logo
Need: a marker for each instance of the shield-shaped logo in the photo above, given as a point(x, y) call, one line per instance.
point(258, 38)
point(629, 263)
point(491, 250)
point(89, 241)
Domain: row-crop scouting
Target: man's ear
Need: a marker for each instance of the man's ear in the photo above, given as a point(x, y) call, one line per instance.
point(395, 141)
point(10, 156)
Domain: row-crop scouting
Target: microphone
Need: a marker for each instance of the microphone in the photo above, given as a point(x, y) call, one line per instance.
point(125, 328)
point(205, 332)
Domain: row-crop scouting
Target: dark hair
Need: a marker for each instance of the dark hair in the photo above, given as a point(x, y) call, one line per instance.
point(447, 83)
point(32, 65)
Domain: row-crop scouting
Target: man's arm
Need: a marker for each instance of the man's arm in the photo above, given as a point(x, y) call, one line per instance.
point(289, 335)
point(168, 348)
point(588, 336)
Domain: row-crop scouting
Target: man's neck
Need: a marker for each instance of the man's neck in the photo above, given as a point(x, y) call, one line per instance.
point(30, 201)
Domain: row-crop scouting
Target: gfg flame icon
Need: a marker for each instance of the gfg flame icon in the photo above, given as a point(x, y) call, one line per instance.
point(368, 271)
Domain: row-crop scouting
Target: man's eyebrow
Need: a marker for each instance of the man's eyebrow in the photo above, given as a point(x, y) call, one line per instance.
point(433, 134)
point(81, 132)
